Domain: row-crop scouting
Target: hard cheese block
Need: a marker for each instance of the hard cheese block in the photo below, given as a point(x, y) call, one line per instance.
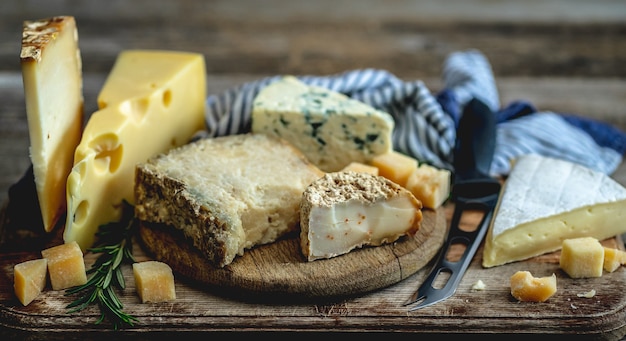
point(53, 89)
point(331, 129)
point(545, 201)
point(343, 211)
point(151, 102)
point(30, 279)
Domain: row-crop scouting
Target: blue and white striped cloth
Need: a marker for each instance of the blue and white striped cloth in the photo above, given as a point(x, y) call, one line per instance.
point(426, 124)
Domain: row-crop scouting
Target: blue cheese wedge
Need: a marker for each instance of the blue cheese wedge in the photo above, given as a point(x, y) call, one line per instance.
point(545, 201)
point(331, 129)
point(343, 211)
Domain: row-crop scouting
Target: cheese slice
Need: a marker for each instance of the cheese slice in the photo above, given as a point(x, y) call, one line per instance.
point(343, 211)
point(331, 129)
point(151, 102)
point(545, 201)
point(53, 90)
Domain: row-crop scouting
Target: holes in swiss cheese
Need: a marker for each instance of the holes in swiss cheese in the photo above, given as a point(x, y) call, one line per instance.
point(108, 152)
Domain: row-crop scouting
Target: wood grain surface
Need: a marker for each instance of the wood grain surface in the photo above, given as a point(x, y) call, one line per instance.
point(560, 55)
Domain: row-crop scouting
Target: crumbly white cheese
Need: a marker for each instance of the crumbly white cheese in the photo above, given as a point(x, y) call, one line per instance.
point(545, 201)
point(331, 129)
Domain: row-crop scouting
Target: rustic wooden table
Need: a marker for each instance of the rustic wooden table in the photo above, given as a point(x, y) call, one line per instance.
point(565, 56)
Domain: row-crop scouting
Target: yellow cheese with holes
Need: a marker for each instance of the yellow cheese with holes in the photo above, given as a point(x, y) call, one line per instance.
point(527, 288)
point(53, 90)
point(151, 102)
point(613, 259)
point(66, 265)
point(582, 257)
point(29, 279)
point(154, 281)
point(395, 166)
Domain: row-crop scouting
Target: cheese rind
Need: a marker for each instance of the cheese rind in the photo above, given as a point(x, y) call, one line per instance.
point(343, 211)
point(330, 128)
point(151, 102)
point(29, 279)
point(53, 89)
point(545, 201)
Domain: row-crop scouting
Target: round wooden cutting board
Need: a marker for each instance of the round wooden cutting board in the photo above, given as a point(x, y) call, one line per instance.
point(280, 267)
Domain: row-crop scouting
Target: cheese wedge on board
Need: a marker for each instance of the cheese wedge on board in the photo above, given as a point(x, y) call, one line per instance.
point(151, 102)
point(343, 211)
point(545, 201)
point(53, 90)
point(331, 129)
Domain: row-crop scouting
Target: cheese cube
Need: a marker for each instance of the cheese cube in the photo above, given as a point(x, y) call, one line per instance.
point(430, 185)
point(526, 288)
point(613, 258)
point(29, 279)
point(582, 257)
point(154, 281)
point(395, 166)
point(66, 265)
point(361, 168)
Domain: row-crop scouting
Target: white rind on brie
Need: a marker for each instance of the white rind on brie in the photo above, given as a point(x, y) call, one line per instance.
point(545, 201)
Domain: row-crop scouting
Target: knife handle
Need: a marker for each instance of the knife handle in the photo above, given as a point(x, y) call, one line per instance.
point(475, 141)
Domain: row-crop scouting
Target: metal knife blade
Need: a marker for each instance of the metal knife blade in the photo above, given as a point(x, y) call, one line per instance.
point(473, 189)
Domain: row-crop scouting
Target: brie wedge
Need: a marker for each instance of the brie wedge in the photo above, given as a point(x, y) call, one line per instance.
point(545, 201)
point(343, 211)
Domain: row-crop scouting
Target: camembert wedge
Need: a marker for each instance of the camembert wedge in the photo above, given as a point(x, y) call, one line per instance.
point(53, 89)
point(331, 129)
point(343, 211)
point(151, 102)
point(545, 201)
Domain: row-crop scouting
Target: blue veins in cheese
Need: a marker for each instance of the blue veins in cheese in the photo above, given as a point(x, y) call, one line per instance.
point(151, 102)
point(545, 201)
point(331, 129)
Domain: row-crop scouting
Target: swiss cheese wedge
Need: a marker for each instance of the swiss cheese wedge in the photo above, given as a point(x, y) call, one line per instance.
point(151, 102)
point(545, 201)
point(53, 89)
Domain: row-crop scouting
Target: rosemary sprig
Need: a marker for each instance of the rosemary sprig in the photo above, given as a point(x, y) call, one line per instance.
point(114, 243)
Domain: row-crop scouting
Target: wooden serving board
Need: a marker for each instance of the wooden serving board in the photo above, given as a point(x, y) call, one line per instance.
point(280, 268)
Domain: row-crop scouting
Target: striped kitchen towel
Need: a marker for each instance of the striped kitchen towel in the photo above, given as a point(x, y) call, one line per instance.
point(426, 123)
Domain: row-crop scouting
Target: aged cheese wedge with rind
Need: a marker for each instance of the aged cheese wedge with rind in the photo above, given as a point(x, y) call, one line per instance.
point(545, 201)
point(343, 211)
point(331, 129)
point(151, 102)
point(53, 90)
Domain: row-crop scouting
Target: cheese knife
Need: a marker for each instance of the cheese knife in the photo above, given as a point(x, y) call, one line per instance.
point(473, 189)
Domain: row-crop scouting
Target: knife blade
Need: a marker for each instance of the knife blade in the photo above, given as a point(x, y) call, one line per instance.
point(473, 189)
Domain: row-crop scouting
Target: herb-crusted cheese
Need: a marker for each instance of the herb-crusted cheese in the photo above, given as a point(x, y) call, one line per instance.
point(331, 129)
